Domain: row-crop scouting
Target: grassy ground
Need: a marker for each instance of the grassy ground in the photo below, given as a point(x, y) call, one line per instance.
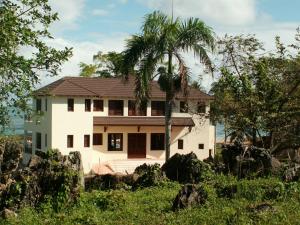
point(153, 206)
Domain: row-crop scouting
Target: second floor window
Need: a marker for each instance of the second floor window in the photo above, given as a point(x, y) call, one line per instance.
point(134, 111)
point(98, 105)
point(87, 105)
point(38, 105)
point(157, 108)
point(115, 107)
point(201, 108)
point(183, 107)
point(70, 105)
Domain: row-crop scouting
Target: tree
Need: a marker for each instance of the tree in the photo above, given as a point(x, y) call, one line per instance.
point(163, 40)
point(104, 65)
point(255, 95)
point(24, 28)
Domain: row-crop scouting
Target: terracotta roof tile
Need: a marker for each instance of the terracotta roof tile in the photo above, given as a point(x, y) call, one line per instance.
point(107, 87)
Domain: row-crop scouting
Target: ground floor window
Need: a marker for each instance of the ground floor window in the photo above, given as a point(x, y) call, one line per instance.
point(115, 142)
point(97, 139)
point(201, 146)
point(157, 141)
point(86, 141)
point(28, 142)
point(38, 141)
point(70, 139)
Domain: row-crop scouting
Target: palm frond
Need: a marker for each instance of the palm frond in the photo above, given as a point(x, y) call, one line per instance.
point(183, 73)
point(201, 53)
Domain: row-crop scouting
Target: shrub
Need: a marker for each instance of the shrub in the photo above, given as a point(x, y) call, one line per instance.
point(52, 178)
point(186, 169)
point(148, 175)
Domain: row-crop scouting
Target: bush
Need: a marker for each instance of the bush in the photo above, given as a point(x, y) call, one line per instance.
point(252, 190)
point(52, 177)
point(186, 169)
point(148, 175)
point(109, 182)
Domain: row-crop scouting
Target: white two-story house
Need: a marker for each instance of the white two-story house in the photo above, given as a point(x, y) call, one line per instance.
point(98, 117)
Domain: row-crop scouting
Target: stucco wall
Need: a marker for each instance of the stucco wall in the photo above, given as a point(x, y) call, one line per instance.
point(58, 123)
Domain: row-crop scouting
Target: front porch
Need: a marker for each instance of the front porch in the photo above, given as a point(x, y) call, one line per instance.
point(124, 166)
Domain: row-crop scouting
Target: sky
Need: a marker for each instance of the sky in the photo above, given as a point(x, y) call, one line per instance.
point(90, 26)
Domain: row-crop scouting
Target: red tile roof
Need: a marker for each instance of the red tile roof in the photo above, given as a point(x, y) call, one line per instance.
point(107, 87)
point(141, 121)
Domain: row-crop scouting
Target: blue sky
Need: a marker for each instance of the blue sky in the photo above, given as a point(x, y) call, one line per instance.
point(90, 26)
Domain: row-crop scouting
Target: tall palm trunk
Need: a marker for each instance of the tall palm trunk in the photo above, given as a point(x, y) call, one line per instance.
point(168, 108)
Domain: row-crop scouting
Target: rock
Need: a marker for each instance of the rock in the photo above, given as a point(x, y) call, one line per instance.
point(292, 174)
point(148, 176)
point(6, 213)
point(189, 196)
point(46, 177)
point(186, 168)
point(34, 161)
point(263, 207)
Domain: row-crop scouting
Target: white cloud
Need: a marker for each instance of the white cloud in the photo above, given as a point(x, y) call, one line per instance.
point(69, 11)
point(99, 12)
point(84, 51)
point(228, 12)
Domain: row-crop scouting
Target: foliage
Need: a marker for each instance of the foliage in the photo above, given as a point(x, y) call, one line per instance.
point(149, 175)
point(254, 95)
point(49, 178)
point(157, 52)
point(11, 151)
point(186, 168)
point(24, 54)
point(154, 206)
point(104, 65)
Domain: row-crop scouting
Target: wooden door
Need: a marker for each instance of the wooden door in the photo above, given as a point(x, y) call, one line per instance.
point(136, 145)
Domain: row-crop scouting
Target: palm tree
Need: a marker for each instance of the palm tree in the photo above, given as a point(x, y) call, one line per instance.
point(157, 52)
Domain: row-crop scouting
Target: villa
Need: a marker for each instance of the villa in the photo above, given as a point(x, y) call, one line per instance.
point(99, 118)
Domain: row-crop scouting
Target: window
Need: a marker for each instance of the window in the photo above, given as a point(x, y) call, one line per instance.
point(38, 105)
point(115, 107)
point(46, 140)
point(70, 105)
point(70, 140)
point(157, 141)
point(180, 144)
point(86, 141)
point(38, 140)
point(46, 104)
point(87, 105)
point(97, 139)
point(133, 111)
point(115, 142)
point(183, 107)
point(157, 108)
point(201, 108)
point(98, 105)
point(201, 146)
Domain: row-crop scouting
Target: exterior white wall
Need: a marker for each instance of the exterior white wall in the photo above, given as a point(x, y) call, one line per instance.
point(57, 122)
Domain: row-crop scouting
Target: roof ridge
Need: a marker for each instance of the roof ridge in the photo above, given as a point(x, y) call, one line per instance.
point(82, 87)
